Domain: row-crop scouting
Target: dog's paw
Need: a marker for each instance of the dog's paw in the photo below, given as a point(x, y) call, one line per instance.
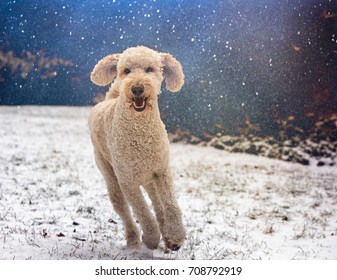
point(174, 245)
point(151, 240)
point(133, 244)
point(175, 236)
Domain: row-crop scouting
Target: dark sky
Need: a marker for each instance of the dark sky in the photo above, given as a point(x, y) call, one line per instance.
point(241, 58)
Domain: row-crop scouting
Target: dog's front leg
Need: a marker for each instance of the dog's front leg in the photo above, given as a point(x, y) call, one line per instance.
point(119, 201)
point(151, 234)
point(175, 234)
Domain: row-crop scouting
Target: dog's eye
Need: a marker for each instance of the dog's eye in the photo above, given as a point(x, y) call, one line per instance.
point(127, 71)
point(149, 70)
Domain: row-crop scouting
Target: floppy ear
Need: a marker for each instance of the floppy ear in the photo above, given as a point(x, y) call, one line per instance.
point(173, 72)
point(105, 70)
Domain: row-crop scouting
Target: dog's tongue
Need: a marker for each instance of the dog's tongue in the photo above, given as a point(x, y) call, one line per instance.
point(139, 101)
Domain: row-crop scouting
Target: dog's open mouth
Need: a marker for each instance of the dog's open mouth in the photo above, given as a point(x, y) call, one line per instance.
point(139, 103)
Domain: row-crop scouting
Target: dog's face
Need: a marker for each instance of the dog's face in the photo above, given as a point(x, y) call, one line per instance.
point(137, 75)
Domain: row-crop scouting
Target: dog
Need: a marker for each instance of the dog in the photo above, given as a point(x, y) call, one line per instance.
point(131, 145)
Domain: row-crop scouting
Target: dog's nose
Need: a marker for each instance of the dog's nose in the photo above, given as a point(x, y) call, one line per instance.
point(137, 90)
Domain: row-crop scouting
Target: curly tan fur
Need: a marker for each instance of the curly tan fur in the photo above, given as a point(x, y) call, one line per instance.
point(131, 145)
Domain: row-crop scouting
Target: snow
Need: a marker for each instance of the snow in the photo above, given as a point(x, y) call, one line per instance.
point(54, 203)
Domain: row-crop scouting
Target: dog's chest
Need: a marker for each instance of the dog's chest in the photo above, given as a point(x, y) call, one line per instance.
point(140, 147)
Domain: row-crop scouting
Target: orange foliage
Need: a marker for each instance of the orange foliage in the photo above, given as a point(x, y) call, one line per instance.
point(31, 62)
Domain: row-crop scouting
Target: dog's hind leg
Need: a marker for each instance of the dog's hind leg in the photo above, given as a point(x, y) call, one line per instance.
point(151, 233)
point(119, 202)
point(153, 193)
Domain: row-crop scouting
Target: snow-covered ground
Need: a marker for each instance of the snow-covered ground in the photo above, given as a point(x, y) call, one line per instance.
point(54, 203)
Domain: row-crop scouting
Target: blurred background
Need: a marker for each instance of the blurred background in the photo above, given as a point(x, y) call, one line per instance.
point(256, 66)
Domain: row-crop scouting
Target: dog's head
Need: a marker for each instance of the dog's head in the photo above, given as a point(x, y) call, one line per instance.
point(137, 74)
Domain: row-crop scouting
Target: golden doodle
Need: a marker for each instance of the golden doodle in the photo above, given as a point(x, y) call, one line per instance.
point(131, 145)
